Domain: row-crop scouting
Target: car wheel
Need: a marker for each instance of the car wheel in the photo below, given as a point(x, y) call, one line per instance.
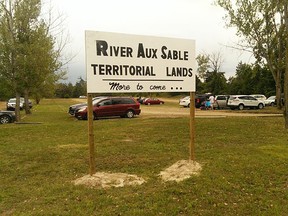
point(272, 104)
point(188, 105)
point(130, 114)
point(260, 106)
point(241, 107)
point(95, 116)
point(5, 119)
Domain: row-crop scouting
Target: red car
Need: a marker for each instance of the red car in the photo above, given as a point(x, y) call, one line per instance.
point(152, 101)
point(111, 106)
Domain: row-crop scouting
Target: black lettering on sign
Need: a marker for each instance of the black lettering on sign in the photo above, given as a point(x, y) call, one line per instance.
point(103, 49)
point(173, 54)
point(118, 87)
point(119, 70)
point(146, 52)
point(157, 87)
point(179, 72)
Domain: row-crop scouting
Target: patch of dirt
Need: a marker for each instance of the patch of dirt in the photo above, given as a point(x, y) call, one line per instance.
point(107, 180)
point(181, 170)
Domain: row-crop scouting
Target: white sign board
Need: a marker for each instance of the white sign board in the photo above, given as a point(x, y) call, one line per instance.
point(132, 63)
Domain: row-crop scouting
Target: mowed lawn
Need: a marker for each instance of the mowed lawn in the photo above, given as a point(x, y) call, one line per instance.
point(244, 165)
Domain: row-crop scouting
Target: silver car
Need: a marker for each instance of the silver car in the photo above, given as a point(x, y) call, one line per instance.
point(221, 101)
point(271, 101)
point(244, 101)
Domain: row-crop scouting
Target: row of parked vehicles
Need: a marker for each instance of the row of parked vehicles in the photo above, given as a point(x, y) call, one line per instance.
point(231, 101)
point(128, 107)
point(103, 106)
point(106, 107)
point(11, 104)
point(8, 116)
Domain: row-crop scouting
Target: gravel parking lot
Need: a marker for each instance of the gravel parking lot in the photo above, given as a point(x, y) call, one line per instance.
point(166, 111)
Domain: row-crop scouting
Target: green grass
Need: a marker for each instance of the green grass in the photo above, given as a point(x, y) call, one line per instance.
point(244, 164)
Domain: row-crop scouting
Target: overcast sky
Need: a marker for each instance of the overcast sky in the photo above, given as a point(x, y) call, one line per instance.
point(199, 20)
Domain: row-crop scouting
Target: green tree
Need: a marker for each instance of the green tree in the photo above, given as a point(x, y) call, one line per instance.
point(209, 71)
point(5, 92)
point(216, 82)
point(80, 88)
point(243, 82)
point(29, 58)
point(263, 26)
point(200, 87)
point(64, 90)
point(251, 79)
point(264, 82)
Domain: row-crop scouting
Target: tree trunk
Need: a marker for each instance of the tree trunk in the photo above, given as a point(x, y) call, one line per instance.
point(278, 89)
point(17, 108)
point(286, 92)
point(26, 98)
point(286, 70)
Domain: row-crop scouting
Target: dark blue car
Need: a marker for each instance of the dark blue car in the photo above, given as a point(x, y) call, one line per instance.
point(7, 117)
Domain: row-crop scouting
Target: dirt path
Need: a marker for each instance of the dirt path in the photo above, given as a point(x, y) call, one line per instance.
point(173, 112)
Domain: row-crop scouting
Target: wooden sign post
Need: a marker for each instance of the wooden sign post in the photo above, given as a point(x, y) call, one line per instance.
point(192, 126)
point(91, 136)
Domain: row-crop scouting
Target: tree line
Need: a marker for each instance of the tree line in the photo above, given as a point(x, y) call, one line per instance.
point(248, 79)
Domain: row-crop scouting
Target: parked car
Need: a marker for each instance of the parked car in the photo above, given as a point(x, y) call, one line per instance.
point(199, 100)
point(259, 96)
point(221, 101)
point(7, 117)
point(243, 101)
point(152, 101)
point(111, 106)
point(270, 101)
point(75, 107)
point(11, 104)
point(185, 102)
